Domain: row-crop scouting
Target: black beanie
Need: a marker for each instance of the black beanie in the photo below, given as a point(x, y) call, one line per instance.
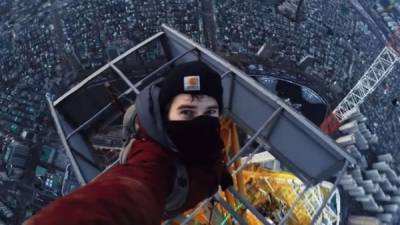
point(195, 78)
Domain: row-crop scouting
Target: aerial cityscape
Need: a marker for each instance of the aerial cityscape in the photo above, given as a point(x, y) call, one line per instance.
point(48, 46)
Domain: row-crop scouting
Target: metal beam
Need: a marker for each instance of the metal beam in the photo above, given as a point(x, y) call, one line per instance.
point(61, 134)
point(106, 66)
point(376, 73)
point(332, 191)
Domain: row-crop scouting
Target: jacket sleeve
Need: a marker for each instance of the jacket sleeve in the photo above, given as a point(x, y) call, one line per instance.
point(132, 193)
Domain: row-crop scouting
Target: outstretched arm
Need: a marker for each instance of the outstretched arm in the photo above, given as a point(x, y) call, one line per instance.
point(133, 193)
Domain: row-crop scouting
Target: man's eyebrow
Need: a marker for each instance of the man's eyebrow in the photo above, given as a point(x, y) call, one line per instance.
point(212, 107)
point(186, 107)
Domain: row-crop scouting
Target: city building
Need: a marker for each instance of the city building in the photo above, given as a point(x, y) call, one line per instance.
point(16, 158)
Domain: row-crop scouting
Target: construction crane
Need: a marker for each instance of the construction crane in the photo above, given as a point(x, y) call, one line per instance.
point(265, 119)
point(375, 74)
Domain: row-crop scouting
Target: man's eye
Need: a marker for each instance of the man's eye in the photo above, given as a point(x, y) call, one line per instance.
point(211, 112)
point(187, 113)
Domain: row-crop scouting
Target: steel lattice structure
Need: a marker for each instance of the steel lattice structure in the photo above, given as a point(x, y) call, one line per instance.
point(376, 73)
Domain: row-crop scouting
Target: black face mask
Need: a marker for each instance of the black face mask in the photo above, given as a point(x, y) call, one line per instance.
point(198, 140)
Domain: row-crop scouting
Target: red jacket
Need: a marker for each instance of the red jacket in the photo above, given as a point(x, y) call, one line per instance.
point(131, 193)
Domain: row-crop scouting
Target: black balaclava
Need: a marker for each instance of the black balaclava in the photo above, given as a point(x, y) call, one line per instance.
point(198, 140)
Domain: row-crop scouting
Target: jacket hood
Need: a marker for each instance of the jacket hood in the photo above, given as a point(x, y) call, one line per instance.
point(149, 115)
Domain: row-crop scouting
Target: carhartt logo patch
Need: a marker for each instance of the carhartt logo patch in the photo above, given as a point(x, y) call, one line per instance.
point(191, 83)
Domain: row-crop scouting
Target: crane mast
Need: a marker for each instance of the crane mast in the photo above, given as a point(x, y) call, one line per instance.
point(376, 73)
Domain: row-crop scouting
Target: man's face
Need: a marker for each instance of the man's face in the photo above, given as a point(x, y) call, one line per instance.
point(187, 107)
